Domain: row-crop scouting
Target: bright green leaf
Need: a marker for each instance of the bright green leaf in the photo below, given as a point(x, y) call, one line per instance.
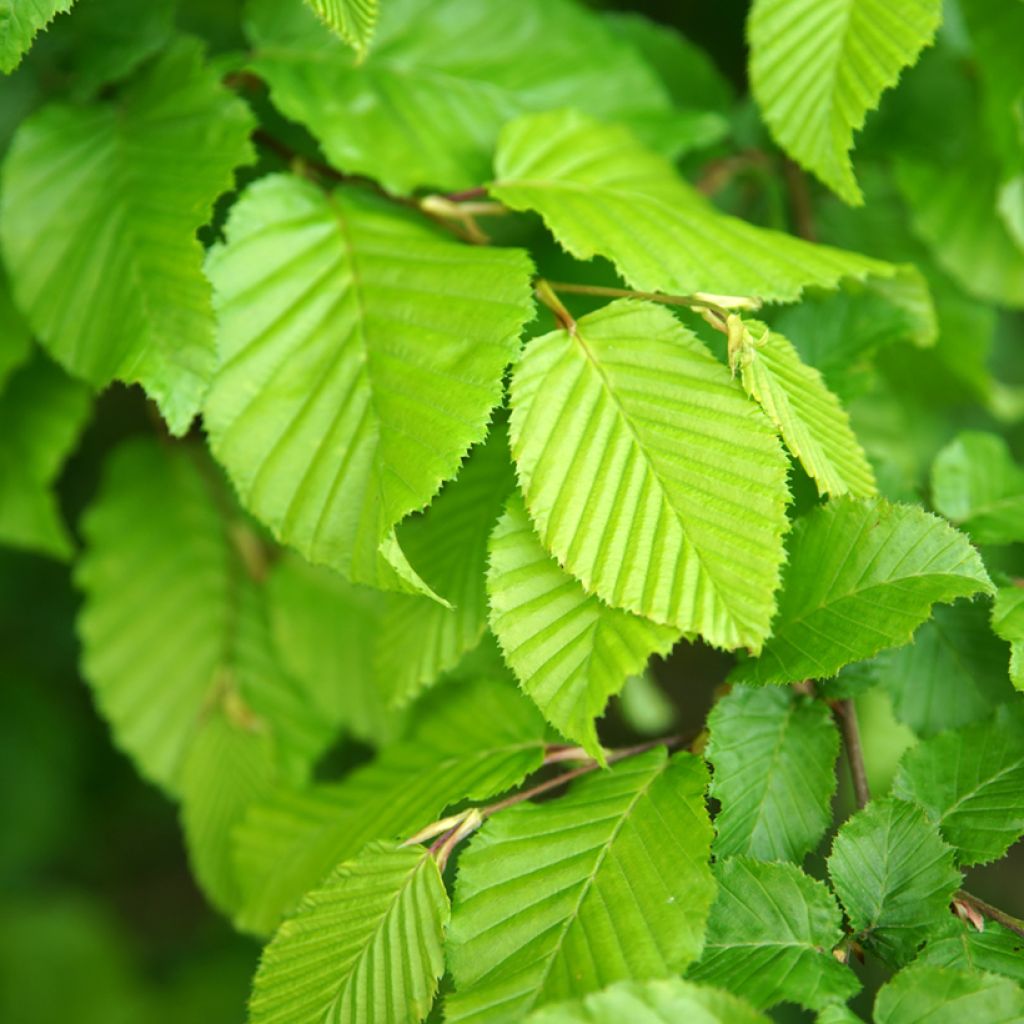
point(1008, 623)
point(20, 20)
point(771, 935)
point(103, 256)
point(601, 193)
point(365, 946)
point(818, 66)
point(923, 994)
point(569, 650)
point(559, 899)
point(648, 473)
point(361, 352)
point(862, 575)
point(773, 754)
point(960, 945)
point(894, 876)
point(353, 20)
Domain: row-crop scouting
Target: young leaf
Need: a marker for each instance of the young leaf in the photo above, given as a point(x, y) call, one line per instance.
point(814, 426)
point(360, 355)
point(971, 784)
point(22, 19)
point(960, 945)
point(977, 484)
point(671, 1001)
point(1008, 623)
point(953, 674)
point(894, 876)
point(770, 937)
point(818, 66)
point(648, 473)
point(353, 20)
point(364, 946)
point(103, 256)
point(42, 411)
point(923, 994)
point(569, 650)
point(773, 754)
point(609, 883)
point(424, 108)
point(603, 194)
point(289, 843)
point(861, 576)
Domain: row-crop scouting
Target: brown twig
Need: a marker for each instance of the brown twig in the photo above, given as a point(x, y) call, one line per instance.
point(1015, 924)
point(845, 714)
point(799, 200)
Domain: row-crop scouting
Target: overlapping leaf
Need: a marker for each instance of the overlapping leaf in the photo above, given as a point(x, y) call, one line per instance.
point(360, 356)
point(923, 994)
point(648, 473)
point(425, 107)
point(22, 19)
point(364, 946)
point(1008, 623)
point(894, 876)
point(569, 650)
point(353, 20)
point(608, 883)
point(603, 194)
point(100, 209)
point(818, 66)
point(774, 756)
point(861, 576)
point(960, 945)
point(770, 937)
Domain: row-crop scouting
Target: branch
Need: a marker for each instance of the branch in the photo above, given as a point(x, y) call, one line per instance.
point(799, 200)
point(1015, 924)
point(845, 714)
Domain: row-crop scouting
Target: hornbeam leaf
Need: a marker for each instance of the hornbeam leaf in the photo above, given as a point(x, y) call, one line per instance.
point(977, 484)
point(671, 1001)
point(419, 639)
point(960, 945)
point(774, 755)
point(608, 883)
point(289, 843)
point(569, 650)
point(98, 222)
point(971, 784)
point(353, 20)
point(360, 355)
point(365, 947)
point(894, 876)
point(159, 551)
point(42, 411)
point(771, 935)
point(424, 108)
point(21, 20)
point(818, 66)
point(1008, 623)
point(812, 422)
point(923, 994)
point(601, 193)
point(649, 474)
point(861, 576)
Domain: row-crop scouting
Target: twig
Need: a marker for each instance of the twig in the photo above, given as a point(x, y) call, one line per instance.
point(545, 293)
point(718, 173)
point(799, 200)
point(846, 717)
point(1015, 924)
point(479, 192)
point(718, 304)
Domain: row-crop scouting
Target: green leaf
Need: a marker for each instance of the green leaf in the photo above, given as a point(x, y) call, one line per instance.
point(960, 945)
point(15, 336)
point(569, 650)
point(424, 108)
point(977, 484)
point(603, 194)
point(42, 412)
point(771, 935)
point(813, 424)
point(861, 576)
point(288, 844)
point(964, 666)
point(894, 876)
point(361, 352)
point(773, 754)
point(608, 883)
point(671, 1001)
point(365, 946)
point(353, 20)
point(818, 66)
point(159, 551)
point(971, 784)
point(420, 639)
point(923, 994)
point(103, 256)
point(648, 473)
point(20, 21)
point(1008, 623)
